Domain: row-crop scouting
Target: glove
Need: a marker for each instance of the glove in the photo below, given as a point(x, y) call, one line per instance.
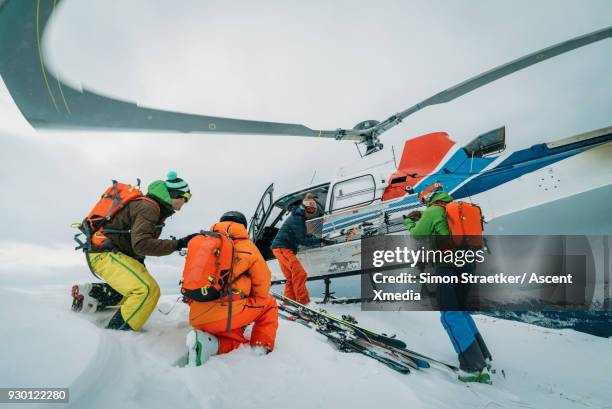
point(182, 242)
point(413, 215)
point(325, 242)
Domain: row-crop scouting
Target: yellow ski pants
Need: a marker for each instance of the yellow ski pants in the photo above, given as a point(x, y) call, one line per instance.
point(131, 279)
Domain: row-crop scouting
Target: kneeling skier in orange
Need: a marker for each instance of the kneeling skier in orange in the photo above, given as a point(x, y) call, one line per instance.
point(219, 324)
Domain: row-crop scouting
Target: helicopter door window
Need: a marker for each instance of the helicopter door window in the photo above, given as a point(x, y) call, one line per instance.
point(353, 192)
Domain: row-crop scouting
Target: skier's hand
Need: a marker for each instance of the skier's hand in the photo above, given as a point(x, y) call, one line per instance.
point(413, 215)
point(182, 242)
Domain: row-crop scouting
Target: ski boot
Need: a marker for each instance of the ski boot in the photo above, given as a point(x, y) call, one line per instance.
point(200, 347)
point(82, 300)
point(482, 376)
point(117, 322)
point(92, 297)
point(483, 347)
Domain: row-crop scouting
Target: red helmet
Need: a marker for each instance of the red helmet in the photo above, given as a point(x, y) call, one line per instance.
point(426, 195)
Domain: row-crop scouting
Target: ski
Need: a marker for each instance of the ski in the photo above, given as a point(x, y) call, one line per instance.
point(327, 327)
point(425, 358)
point(393, 345)
point(347, 343)
point(365, 333)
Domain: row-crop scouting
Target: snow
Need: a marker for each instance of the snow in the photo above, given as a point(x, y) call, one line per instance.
point(46, 344)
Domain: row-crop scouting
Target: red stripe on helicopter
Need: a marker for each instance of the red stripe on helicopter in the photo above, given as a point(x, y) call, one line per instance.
point(420, 157)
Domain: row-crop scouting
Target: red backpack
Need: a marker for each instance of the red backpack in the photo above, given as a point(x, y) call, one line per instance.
point(465, 223)
point(112, 200)
point(208, 267)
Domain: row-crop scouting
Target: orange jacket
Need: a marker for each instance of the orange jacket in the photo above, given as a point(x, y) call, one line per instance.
point(253, 279)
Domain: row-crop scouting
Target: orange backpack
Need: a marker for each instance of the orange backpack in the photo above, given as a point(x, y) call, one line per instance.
point(208, 267)
point(112, 200)
point(465, 223)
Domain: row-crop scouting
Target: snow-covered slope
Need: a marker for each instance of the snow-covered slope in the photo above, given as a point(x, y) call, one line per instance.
point(45, 344)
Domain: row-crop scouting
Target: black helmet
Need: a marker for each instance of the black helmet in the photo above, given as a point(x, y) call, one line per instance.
point(234, 216)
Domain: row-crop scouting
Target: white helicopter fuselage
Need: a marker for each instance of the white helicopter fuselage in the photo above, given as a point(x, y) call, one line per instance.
point(568, 195)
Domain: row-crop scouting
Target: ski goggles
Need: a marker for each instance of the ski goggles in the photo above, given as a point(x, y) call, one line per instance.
point(186, 196)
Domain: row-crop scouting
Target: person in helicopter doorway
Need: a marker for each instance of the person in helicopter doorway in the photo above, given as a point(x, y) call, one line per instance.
point(285, 245)
point(474, 356)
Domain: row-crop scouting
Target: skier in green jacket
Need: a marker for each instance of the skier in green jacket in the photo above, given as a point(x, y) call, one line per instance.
point(459, 325)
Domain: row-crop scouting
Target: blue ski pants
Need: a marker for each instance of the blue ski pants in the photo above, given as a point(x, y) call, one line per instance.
point(459, 324)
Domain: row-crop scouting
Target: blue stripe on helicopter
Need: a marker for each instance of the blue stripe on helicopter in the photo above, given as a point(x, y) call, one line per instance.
point(516, 165)
point(460, 167)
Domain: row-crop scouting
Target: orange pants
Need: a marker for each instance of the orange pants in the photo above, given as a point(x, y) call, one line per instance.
point(295, 287)
point(263, 312)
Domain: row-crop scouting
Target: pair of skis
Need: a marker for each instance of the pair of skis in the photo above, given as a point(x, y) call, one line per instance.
point(348, 336)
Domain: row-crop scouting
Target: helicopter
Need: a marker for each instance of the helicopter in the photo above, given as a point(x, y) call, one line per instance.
point(354, 204)
point(372, 202)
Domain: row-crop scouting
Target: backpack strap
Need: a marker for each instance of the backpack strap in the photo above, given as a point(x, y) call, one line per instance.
point(229, 291)
point(116, 200)
point(89, 265)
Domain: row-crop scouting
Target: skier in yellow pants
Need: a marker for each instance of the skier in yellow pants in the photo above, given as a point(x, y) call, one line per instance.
point(128, 277)
point(133, 233)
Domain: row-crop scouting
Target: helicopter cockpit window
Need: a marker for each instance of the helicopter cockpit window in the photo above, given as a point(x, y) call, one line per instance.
point(488, 143)
point(353, 192)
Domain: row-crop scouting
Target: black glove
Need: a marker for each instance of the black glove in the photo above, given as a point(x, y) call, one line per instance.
point(182, 242)
point(326, 242)
point(413, 215)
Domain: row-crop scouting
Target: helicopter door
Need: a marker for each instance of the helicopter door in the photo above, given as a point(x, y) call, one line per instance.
point(261, 214)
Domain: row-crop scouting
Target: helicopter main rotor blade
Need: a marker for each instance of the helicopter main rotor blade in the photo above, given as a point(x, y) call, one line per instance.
point(492, 75)
point(46, 102)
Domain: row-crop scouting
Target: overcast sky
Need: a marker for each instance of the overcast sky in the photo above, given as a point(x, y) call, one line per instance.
point(323, 64)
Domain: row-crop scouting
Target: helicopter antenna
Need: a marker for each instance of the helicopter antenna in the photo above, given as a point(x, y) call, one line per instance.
point(358, 150)
point(313, 176)
point(393, 151)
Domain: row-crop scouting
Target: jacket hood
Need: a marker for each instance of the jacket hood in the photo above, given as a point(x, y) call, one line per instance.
point(235, 230)
point(158, 190)
point(440, 197)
